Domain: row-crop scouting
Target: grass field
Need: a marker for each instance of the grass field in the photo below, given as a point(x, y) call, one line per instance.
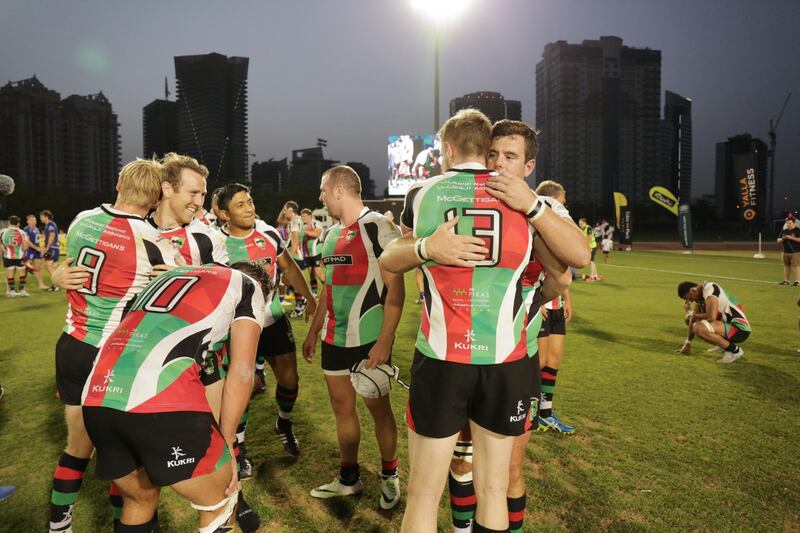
point(663, 442)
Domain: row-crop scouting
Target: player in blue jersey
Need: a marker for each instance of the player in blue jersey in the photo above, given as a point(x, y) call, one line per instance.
point(33, 256)
point(51, 249)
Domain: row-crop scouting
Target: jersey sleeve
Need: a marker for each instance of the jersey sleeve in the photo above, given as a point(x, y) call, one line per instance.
point(219, 251)
point(251, 304)
point(710, 289)
point(407, 216)
point(557, 207)
point(387, 232)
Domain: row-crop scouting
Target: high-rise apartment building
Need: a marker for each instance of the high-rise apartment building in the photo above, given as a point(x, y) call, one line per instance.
point(598, 108)
point(161, 133)
point(47, 143)
point(212, 113)
point(270, 175)
point(677, 124)
point(491, 104)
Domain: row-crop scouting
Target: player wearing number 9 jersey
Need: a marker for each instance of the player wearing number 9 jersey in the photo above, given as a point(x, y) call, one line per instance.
point(144, 405)
point(117, 249)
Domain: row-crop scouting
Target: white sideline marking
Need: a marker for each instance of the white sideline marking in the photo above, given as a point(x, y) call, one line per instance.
point(704, 276)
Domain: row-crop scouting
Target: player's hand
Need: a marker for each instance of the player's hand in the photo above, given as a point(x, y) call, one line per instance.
point(445, 247)
point(545, 312)
point(567, 313)
point(234, 485)
point(309, 345)
point(311, 309)
point(158, 269)
point(379, 353)
point(513, 191)
point(69, 277)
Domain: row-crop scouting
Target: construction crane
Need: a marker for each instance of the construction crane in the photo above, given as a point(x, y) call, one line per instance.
point(773, 126)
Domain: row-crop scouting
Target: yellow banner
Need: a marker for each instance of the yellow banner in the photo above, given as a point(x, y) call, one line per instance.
point(665, 199)
point(619, 201)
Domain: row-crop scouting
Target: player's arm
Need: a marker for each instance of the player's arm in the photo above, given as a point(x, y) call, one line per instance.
point(314, 232)
point(443, 247)
point(561, 234)
point(559, 276)
point(297, 280)
point(710, 312)
point(567, 305)
point(392, 311)
point(310, 344)
point(51, 239)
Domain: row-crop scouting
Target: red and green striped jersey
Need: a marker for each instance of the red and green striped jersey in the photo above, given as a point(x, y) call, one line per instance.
point(532, 280)
point(354, 286)
point(311, 245)
point(13, 240)
point(196, 243)
point(119, 250)
point(263, 244)
point(471, 315)
point(151, 362)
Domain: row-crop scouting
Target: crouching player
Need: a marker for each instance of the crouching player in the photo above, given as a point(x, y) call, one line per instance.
point(144, 405)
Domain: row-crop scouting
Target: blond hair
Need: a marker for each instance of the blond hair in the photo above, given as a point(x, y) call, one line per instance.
point(550, 188)
point(469, 131)
point(344, 176)
point(173, 163)
point(139, 183)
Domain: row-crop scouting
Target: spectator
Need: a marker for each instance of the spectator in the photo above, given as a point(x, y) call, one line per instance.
point(790, 238)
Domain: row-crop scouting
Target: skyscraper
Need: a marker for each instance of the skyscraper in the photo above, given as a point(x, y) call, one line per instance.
point(678, 125)
point(212, 113)
point(49, 144)
point(598, 110)
point(161, 133)
point(491, 104)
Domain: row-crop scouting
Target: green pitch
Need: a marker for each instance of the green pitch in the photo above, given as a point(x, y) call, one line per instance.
point(663, 442)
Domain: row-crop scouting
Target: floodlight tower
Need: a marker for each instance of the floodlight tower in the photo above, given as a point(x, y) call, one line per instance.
point(440, 12)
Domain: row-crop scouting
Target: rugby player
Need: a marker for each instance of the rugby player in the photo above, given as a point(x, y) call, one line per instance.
point(310, 233)
point(513, 153)
point(290, 215)
point(115, 250)
point(362, 307)
point(721, 322)
point(471, 361)
point(591, 241)
point(14, 244)
point(144, 405)
point(52, 247)
point(248, 239)
point(33, 257)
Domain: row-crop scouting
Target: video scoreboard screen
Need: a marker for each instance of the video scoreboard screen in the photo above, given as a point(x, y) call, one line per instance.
point(412, 158)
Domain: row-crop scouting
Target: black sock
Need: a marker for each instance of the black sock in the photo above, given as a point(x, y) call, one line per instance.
point(148, 527)
point(116, 501)
point(349, 473)
point(732, 347)
point(66, 486)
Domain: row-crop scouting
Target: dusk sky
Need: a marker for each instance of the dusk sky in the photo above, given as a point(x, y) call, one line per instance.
point(356, 71)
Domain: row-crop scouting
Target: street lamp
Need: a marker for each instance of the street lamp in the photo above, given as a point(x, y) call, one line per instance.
point(440, 12)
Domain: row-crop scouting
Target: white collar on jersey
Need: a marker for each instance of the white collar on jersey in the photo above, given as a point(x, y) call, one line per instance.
point(468, 165)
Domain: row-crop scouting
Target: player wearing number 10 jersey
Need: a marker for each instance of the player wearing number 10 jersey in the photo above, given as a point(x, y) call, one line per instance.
point(145, 407)
point(116, 250)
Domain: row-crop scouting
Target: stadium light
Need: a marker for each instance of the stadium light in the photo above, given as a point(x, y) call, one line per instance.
point(440, 12)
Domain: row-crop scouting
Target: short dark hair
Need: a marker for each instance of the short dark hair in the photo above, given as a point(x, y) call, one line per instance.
point(257, 272)
point(506, 128)
point(685, 287)
point(226, 194)
point(13, 220)
point(47, 213)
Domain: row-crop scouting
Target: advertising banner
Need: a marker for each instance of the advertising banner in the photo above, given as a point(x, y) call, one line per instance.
point(665, 199)
point(685, 226)
point(626, 225)
point(745, 171)
point(619, 201)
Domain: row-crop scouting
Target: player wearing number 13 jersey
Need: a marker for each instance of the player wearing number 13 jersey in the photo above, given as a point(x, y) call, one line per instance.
point(144, 405)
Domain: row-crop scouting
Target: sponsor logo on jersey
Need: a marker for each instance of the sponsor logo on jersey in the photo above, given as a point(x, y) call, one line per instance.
point(521, 412)
point(469, 344)
point(338, 260)
point(180, 458)
point(470, 292)
point(350, 235)
point(260, 242)
point(107, 385)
